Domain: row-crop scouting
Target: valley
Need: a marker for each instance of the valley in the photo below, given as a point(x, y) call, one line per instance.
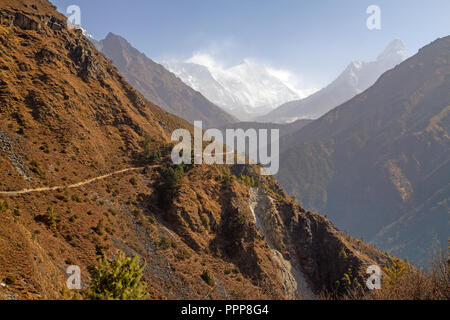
point(104, 158)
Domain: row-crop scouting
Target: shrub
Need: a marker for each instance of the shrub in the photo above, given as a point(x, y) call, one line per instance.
point(4, 206)
point(395, 272)
point(208, 277)
point(10, 279)
point(227, 180)
point(76, 198)
point(120, 279)
point(51, 218)
point(241, 219)
point(152, 219)
point(36, 169)
point(401, 281)
point(152, 152)
point(170, 184)
point(248, 180)
point(165, 244)
point(99, 228)
point(183, 255)
point(137, 213)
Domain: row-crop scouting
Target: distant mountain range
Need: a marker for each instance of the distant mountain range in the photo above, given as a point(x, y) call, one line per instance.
point(356, 78)
point(379, 165)
point(246, 90)
point(159, 85)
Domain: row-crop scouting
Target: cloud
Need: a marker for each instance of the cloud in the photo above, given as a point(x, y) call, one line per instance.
point(204, 59)
point(293, 81)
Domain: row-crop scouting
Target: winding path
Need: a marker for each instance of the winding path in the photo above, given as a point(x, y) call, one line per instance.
point(75, 185)
point(79, 184)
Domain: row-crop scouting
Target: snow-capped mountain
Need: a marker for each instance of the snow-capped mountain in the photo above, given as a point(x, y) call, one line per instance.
point(159, 85)
point(246, 90)
point(356, 78)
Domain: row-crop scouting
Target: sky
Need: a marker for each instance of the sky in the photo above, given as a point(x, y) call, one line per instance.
point(310, 42)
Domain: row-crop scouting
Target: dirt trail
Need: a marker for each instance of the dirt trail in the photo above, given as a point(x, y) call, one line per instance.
point(75, 185)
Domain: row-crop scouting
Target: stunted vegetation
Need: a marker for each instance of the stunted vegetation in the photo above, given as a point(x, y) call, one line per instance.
point(4, 206)
point(401, 281)
point(170, 183)
point(119, 279)
point(152, 150)
point(51, 218)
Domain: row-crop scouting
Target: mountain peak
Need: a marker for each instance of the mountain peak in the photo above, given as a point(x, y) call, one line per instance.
point(394, 50)
point(111, 37)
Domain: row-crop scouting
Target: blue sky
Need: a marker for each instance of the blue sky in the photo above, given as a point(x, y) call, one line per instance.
point(314, 40)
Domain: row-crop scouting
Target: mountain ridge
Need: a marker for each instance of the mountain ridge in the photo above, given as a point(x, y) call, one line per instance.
point(159, 85)
point(357, 77)
point(386, 152)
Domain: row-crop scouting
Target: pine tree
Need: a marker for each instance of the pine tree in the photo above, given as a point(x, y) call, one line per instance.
point(120, 279)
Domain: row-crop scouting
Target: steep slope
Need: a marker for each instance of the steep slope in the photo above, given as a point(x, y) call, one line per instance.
point(161, 86)
point(246, 90)
point(382, 156)
point(356, 78)
point(69, 119)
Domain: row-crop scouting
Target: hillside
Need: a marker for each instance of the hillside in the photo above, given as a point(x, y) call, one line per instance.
point(160, 85)
point(86, 170)
point(378, 165)
point(356, 78)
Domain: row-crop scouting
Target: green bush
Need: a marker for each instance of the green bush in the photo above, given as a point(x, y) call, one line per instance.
point(170, 184)
point(76, 198)
point(51, 218)
point(120, 279)
point(36, 169)
point(208, 277)
point(165, 244)
point(4, 206)
point(249, 180)
point(152, 151)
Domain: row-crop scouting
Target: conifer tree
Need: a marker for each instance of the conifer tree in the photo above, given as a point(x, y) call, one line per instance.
point(120, 279)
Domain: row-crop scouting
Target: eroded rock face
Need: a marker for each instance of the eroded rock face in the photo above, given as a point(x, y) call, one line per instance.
point(311, 253)
point(26, 23)
point(268, 221)
point(6, 146)
point(30, 21)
